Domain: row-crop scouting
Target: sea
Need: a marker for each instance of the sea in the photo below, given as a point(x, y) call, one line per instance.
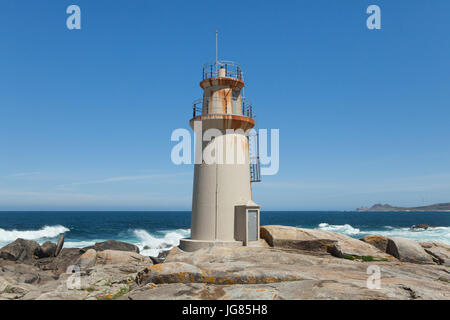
point(154, 231)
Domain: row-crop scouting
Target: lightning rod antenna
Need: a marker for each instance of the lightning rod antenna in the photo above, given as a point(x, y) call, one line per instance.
point(217, 47)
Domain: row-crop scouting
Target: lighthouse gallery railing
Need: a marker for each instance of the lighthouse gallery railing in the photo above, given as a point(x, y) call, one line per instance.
point(235, 106)
point(232, 70)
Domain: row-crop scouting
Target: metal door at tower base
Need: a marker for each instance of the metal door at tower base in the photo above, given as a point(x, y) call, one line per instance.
point(252, 225)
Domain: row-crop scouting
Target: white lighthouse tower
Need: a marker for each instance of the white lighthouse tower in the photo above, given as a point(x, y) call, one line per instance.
point(223, 212)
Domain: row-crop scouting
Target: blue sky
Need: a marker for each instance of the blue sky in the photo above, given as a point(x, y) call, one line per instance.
point(86, 115)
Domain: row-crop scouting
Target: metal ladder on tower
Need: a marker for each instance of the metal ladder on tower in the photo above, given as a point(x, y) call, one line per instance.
point(253, 147)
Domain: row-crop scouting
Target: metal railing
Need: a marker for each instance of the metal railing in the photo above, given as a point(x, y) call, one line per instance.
point(234, 106)
point(253, 149)
point(231, 70)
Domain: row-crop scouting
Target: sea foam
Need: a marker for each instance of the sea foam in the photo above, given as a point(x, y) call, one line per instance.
point(440, 234)
point(154, 244)
point(345, 229)
point(80, 244)
point(7, 236)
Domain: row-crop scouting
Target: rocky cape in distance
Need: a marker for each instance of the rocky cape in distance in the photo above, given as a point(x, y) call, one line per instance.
point(440, 207)
point(287, 263)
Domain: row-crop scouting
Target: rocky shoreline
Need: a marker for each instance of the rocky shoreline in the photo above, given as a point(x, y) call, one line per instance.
point(287, 263)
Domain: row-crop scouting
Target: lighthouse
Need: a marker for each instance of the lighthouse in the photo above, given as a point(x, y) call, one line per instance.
point(226, 162)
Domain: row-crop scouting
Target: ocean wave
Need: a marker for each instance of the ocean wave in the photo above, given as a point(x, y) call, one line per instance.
point(345, 229)
point(152, 245)
point(80, 244)
point(45, 232)
point(440, 234)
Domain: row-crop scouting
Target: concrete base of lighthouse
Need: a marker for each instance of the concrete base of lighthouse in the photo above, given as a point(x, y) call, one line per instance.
point(193, 245)
point(246, 231)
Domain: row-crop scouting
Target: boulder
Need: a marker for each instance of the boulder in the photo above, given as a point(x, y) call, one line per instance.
point(21, 251)
point(59, 245)
point(422, 226)
point(322, 241)
point(121, 257)
point(408, 250)
point(87, 259)
point(59, 264)
point(297, 238)
point(440, 252)
point(113, 245)
point(48, 249)
point(379, 242)
point(161, 257)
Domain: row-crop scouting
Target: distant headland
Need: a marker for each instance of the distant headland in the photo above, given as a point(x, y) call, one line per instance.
point(386, 207)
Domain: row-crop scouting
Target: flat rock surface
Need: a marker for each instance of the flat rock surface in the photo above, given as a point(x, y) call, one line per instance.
point(440, 252)
point(187, 276)
point(299, 290)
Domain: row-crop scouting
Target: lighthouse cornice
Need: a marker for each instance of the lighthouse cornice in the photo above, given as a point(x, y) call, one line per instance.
point(222, 82)
point(223, 122)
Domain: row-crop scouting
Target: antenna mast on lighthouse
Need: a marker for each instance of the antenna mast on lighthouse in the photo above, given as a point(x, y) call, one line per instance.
point(217, 47)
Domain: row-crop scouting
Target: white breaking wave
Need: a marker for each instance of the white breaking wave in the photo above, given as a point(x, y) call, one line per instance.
point(152, 245)
point(7, 236)
point(345, 229)
point(440, 234)
point(79, 244)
